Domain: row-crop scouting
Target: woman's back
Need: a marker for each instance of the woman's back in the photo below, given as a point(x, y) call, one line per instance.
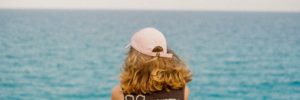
point(175, 94)
point(178, 94)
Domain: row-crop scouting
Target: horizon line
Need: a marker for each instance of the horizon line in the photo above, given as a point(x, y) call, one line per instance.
point(175, 10)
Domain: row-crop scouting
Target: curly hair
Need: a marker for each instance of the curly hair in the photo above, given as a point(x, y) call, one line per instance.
point(144, 74)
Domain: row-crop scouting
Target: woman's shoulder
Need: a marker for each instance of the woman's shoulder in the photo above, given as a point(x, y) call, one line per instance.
point(117, 93)
point(117, 88)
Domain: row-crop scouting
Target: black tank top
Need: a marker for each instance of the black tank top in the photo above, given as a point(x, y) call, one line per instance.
point(177, 94)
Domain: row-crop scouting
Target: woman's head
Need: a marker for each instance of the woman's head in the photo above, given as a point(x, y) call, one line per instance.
point(154, 70)
point(147, 74)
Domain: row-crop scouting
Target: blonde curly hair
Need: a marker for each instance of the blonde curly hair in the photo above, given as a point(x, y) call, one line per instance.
point(144, 74)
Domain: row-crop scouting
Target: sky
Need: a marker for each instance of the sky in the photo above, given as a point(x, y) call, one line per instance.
point(194, 5)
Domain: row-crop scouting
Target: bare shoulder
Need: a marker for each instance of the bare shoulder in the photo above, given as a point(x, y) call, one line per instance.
point(117, 93)
point(186, 92)
point(117, 88)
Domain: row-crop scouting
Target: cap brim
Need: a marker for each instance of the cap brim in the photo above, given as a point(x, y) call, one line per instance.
point(128, 45)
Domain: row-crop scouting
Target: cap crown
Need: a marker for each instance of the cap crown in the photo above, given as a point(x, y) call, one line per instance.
point(145, 40)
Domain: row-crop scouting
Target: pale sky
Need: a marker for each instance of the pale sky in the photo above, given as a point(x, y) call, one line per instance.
point(218, 5)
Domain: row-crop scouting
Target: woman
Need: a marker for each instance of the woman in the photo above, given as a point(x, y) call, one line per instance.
point(151, 71)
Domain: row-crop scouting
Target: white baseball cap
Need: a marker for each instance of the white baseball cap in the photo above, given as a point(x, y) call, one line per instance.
point(146, 39)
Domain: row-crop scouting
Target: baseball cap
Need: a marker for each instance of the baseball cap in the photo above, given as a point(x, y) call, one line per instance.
point(146, 39)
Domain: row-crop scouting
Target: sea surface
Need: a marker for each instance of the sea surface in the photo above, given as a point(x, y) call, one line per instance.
point(78, 54)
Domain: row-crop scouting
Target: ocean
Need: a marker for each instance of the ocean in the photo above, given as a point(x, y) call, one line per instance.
point(78, 54)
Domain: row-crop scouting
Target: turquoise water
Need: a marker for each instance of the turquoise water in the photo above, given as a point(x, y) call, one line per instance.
point(75, 55)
